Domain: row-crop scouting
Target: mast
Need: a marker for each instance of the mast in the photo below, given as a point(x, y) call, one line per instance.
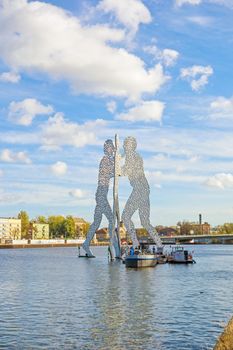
point(116, 211)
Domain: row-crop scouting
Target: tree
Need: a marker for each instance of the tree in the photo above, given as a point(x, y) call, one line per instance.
point(226, 229)
point(86, 228)
point(69, 227)
point(41, 219)
point(185, 228)
point(56, 225)
point(23, 215)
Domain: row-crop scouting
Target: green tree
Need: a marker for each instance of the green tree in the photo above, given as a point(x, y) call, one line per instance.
point(226, 229)
point(23, 215)
point(56, 226)
point(69, 227)
point(41, 219)
point(86, 228)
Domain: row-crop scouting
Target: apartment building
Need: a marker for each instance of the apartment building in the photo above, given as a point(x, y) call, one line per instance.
point(38, 231)
point(10, 228)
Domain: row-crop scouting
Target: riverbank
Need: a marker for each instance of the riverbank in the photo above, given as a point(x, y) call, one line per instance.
point(225, 341)
point(75, 244)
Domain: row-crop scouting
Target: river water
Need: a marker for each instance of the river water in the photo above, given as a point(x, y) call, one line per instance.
point(51, 299)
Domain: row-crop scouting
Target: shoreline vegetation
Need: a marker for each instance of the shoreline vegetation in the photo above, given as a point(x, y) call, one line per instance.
point(225, 341)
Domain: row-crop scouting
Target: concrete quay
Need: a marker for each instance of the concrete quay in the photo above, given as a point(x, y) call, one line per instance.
point(53, 243)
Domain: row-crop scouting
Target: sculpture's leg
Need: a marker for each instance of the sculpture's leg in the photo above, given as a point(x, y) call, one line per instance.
point(144, 214)
point(130, 208)
point(113, 242)
point(94, 226)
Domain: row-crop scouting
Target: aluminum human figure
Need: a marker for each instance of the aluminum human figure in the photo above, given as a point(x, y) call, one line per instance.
point(106, 172)
point(139, 197)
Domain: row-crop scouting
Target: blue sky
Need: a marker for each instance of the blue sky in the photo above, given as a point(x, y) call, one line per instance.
point(74, 73)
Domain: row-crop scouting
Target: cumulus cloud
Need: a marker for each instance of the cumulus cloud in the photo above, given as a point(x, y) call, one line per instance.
point(220, 180)
point(197, 76)
point(131, 13)
point(59, 168)
point(147, 111)
point(10, 77)
point(58, 132)
point(66, 51)
point(167, 56)
point(111, 106)
point(190, 2)
point(77, 193)
point(25, 111)
point(221, 108)
point(10, 157)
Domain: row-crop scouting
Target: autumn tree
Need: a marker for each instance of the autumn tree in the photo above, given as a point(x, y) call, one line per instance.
point(25, 222)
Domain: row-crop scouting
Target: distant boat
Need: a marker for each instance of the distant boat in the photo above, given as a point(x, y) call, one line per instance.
point(179, 255)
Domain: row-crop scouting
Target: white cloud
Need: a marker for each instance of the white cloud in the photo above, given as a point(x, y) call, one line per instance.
point(167, 56)
point(227, 3)
point(66, 51)
point(197, 76)
point(220, 180)
point(25, 111)
point(111, 106)
point(200, 20)
point(8, 198)
point(59, 168)
point(10, 157)
point(10, 77)
point(58, 131)
point(158, 186)
point(173, 176)
point(190, 2)
point(221, 108)
point(77, 193)
point(131, 13)
point(147, 111)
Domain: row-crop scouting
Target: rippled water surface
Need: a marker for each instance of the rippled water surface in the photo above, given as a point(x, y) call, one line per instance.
point(51, 299)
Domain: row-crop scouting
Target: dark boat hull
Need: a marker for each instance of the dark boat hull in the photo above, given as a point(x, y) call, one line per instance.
point(181, 262)
point(137, 261)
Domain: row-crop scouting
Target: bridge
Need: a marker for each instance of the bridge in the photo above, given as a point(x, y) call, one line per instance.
point(199, 239)
point(192, 239)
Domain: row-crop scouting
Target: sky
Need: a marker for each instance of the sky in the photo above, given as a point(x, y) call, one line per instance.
point(75, 73)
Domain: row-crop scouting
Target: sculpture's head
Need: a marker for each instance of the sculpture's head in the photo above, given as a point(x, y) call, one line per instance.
point(130, 144)
point(109, 148)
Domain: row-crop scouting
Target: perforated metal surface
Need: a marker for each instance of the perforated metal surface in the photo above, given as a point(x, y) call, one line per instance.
point(139, 197)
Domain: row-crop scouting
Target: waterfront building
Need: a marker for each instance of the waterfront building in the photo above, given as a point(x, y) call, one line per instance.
point(167, 231)
point(10, 228)
point(192, 228)
point(102, 235)
point(81, 227)
point(38, 231)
